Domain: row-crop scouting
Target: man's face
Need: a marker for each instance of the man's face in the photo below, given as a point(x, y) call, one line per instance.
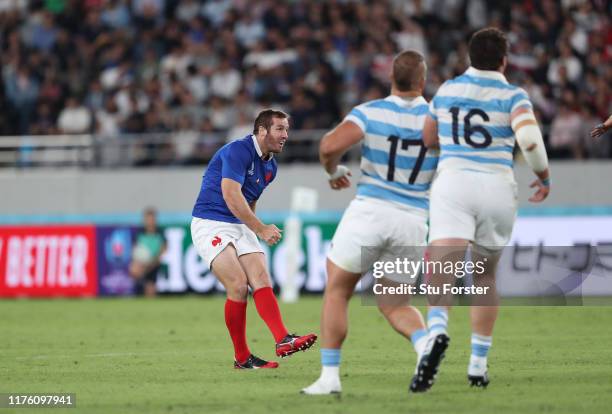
point(277, 135)
point(150, 221)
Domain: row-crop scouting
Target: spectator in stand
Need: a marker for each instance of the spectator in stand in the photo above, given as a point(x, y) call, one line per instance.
point(116, 14)
point(108, 120)
point(567, 61)
point(43, 32)
point(44, 121)
point(565, 133)
point(185, 140)
point(75, 118)
point(187, 10)
point(226, 81)
point(21, 90)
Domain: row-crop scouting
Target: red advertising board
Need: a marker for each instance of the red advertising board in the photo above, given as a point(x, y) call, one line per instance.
point(46, 261)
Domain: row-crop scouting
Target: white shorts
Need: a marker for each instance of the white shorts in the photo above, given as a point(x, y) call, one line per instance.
point(210, 237)
point(381, 231)
point(473, 206)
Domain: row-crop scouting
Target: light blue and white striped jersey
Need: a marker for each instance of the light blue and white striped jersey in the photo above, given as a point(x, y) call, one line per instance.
point(396, 167)
point(473, 115)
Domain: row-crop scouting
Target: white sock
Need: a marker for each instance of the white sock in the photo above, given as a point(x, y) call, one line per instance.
point(478, 365)
point(327, 383)
point(419, 346)
point(330, 373)
point(480, 348)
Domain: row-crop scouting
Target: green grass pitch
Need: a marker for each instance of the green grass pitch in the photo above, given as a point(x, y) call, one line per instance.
point(173, 355)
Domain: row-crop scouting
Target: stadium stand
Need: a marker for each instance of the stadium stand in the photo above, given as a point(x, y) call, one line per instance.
point(189, 74)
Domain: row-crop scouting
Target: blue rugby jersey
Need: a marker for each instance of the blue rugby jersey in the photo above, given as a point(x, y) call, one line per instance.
point(239, 160)
point(473, 115)
point(396, 167)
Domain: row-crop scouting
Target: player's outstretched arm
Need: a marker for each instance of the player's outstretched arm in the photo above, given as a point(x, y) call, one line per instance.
point(529, 139)
point(601, 129)
point(240, 208)
point(430, 133)
point(333, 146)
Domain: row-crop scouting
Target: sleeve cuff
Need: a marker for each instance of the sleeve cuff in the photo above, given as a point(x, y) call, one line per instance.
point(356, 121)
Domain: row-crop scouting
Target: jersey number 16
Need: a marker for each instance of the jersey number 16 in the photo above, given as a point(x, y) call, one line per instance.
point(469, 130)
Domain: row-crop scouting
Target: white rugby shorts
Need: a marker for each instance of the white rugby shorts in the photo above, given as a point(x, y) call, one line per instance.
point(380, 230)
point(210, 237)
point(473, 206)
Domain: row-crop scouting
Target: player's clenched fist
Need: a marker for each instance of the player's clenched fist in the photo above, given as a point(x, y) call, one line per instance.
point(340, 179)
point(270, 234)
point(542, 191)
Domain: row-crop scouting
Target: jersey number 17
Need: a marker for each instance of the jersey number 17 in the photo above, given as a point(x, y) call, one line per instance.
point(395, 140)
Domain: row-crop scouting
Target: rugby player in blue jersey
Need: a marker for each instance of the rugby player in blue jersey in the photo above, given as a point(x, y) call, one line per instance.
point(225, 229)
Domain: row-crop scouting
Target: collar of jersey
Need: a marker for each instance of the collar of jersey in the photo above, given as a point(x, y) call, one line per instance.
point(259, 153)
point(490, 74)
point(401, 101)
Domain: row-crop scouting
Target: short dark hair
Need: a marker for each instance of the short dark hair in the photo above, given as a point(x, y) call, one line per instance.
point(149, 211)
point(264, 119)
point(487, 49)
point(408, 70)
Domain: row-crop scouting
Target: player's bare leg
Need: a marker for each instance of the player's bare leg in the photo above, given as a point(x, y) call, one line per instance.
point(442, 250)
point(226, 267)
point(254, 266)
point(397, 310)
point(150, 291)
point(483, 314)
point(404, 318)
point(485, 308)
point(229, 272)
point(334, 316)
point(334, 327)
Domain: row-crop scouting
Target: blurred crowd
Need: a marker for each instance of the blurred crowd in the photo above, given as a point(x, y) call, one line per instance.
point(189, 67)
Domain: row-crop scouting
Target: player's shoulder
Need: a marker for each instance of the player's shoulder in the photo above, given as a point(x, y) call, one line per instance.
point(445, 85)
point(485, 87)
point(245, 141)
point(365, 106)
point(484, 80)
point(519, 96)
point(416, 106)
point(374, 102)
point(241, 148)
point(420, 101)
point(517, 90)
point(244, 144)
point(519, 99)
